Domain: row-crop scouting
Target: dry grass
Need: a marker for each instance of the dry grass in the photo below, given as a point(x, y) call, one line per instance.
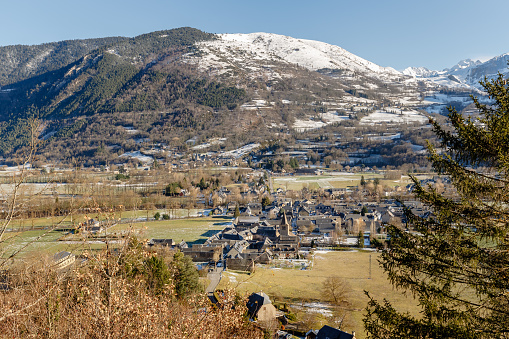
point(296, 285)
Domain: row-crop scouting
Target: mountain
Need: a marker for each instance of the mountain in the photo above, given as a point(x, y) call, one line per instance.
point(107, 97)
point(466, 73)
point(420, 72)
point(310, 54)
point(20, 62)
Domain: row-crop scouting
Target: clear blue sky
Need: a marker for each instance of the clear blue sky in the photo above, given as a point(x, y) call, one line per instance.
point(397, 33)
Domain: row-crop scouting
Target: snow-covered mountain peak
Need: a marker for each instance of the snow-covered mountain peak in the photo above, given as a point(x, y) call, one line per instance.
point(419, 72)
point(464, 64)
point(310, 54)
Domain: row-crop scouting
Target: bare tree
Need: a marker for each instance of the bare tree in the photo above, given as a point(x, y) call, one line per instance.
point(336, 290)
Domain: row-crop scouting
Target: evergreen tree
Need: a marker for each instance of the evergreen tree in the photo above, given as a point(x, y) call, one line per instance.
point(265, 202)
point(456, 263)
point(186, 275)
point(363, 181)
point(236, 213)
point(158, 274)
point(294, 163)
point(360, 239)
point(376, 182)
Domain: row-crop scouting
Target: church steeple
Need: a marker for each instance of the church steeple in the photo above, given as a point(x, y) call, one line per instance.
point(284, 221)
point(284, 228)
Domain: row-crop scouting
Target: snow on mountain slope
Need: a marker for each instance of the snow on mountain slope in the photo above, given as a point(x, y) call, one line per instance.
point(463, 64)
point(419, 72)
point(465, 74)
point(313, 55)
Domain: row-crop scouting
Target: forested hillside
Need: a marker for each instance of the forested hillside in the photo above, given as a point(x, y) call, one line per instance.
point(19, 62)
point(142, 74)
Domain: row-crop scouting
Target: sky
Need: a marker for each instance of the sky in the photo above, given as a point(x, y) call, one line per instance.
point(398, 33)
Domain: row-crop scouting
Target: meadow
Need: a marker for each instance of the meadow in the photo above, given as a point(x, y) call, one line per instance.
point(297, 287)
point(333, 180)
point(192, 230)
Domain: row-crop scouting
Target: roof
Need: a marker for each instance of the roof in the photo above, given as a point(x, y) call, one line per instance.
point(256, 301)
point(328, 332)
point(61, 255)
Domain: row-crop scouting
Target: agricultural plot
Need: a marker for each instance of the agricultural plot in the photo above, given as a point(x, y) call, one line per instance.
point(334, 180)
point(111, 217)
point(37, 242)
point(193, 230)
point(302, 287)
point(331, 180)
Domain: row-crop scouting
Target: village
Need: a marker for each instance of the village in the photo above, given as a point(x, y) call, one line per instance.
point(284, 233)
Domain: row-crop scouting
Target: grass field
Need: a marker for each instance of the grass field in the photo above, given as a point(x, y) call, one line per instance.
point(296, 286)
point(192, 230)
point(333, 180)
point(40, 242)
point(65, 221)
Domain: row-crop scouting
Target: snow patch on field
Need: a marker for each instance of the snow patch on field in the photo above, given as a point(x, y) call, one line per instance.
point(306, 125)
point(325, 119)
point(403, 117)
point(322, 308)
point(256, 104)
point(138, 155)
point(130, 130)
point(214, 141)
point(239, 152)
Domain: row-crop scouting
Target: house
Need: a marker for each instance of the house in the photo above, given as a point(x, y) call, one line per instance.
point(246, 222)
point(328, 332)
point(231, 206)
point(303, 211)
point(305, 225)
point(182, 245)
point(288, 210)
point(162, 242)
point(254, 208)
point(201, 253)
point(63, 259)
point(354, 223)
point(92, 226)
point(218, 211)
point(324, 209)
point(272, 212)
point(260, 307)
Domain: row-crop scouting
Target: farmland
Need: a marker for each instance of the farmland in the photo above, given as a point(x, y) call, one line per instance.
point(296, 286)
point(333, 180)
point(191, 230)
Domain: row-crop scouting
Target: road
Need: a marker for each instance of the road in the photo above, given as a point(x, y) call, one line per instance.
point(269, 177)
point(214, 277)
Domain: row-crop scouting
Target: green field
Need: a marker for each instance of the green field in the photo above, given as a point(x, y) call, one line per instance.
point(333, 180)
point(295, 286)
point(192, 230)
point(37, 241)
point(74, 219)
